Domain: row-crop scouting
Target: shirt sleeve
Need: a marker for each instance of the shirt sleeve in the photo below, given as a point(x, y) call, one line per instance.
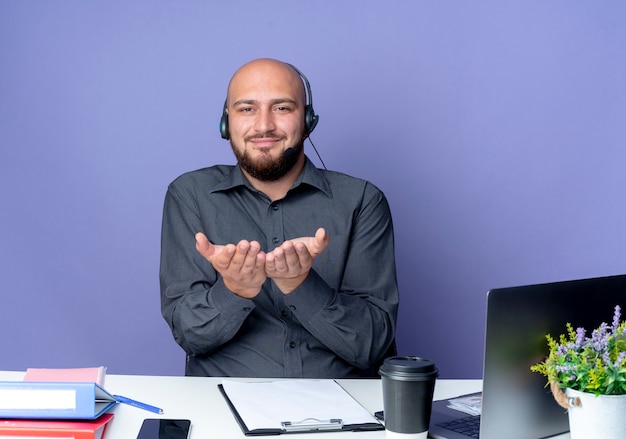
point(357, 319)
point(201, 312)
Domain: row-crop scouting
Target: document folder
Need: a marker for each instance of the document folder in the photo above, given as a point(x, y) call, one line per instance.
point(53, 400)
point(67, 375)
point(28, 428)
point(295, 406)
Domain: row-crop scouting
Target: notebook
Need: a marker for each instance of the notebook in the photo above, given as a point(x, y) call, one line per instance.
point(516, 404)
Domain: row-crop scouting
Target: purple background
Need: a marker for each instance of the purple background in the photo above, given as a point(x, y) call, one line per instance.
point(497, 129)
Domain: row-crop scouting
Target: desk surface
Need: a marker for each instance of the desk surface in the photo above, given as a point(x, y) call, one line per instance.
point(199, 400)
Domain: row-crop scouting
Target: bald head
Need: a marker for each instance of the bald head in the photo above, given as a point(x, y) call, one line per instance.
point(263, 74)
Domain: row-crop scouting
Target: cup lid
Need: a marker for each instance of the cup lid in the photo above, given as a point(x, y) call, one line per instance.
point(408, 367)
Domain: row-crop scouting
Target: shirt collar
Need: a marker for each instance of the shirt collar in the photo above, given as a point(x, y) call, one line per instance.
point(310, 176)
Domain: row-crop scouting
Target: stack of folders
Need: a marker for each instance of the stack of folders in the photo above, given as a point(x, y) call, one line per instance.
point(60, 403)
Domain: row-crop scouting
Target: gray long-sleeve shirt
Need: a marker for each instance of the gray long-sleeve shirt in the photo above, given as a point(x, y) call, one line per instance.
point(340, 321)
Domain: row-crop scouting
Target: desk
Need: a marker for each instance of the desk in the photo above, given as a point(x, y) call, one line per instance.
point(199, 399)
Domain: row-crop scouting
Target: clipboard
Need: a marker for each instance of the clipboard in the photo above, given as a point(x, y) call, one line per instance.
point(295, 406)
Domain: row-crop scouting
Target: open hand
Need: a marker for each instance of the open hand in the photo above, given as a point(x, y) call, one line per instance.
point(242, 266)
point(289, 264)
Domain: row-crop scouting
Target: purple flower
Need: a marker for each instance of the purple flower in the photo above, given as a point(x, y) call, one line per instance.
point(620, 359)
point(599, 338)
point(595, 362)
point(580, 337)
point(616, 317)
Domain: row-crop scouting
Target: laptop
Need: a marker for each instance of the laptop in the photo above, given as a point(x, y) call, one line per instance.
point(516, 404)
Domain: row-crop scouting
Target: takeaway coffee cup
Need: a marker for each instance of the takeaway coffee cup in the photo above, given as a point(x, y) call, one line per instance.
point(408, 387)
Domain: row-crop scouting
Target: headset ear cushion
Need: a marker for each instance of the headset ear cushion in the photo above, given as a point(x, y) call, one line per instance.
point(224, 123)
point(310, 119)
point(224, 126)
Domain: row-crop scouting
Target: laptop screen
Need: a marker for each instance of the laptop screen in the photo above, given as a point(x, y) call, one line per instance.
point(516, 401)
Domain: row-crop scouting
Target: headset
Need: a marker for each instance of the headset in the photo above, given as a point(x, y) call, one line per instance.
point(310, 118)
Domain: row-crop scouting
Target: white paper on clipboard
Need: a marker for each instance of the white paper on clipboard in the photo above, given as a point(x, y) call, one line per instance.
point(267, 405)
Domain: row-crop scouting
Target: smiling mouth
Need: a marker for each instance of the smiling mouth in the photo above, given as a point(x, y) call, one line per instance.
point(264, 142)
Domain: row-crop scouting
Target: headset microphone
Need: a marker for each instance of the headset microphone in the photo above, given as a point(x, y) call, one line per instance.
point(288, 152)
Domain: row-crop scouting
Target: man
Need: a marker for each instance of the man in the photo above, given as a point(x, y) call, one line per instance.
point(272, 267)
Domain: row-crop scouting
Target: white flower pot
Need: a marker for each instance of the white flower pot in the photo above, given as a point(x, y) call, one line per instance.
point(602, 416)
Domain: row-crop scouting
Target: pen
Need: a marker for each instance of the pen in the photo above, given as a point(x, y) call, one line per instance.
point(138, 404)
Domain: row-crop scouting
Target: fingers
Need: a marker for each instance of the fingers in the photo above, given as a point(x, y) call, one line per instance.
point(290, 258)
point(240, 258)
point(244, 267)
point(204, 246)
point(244, 258)
point(202, 242)
point(322, 240)
point(241, 266)
point(288, 265)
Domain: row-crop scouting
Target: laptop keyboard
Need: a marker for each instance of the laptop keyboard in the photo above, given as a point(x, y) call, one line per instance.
point(469, 426)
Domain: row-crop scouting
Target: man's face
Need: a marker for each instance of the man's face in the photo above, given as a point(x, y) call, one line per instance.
point(266, 117)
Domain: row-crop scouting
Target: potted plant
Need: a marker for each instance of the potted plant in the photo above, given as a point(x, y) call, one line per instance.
point(587, 376)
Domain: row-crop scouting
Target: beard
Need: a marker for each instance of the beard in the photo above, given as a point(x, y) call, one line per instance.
point(267, 168)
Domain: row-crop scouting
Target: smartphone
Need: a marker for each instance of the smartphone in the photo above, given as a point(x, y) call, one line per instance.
point(165, 429)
